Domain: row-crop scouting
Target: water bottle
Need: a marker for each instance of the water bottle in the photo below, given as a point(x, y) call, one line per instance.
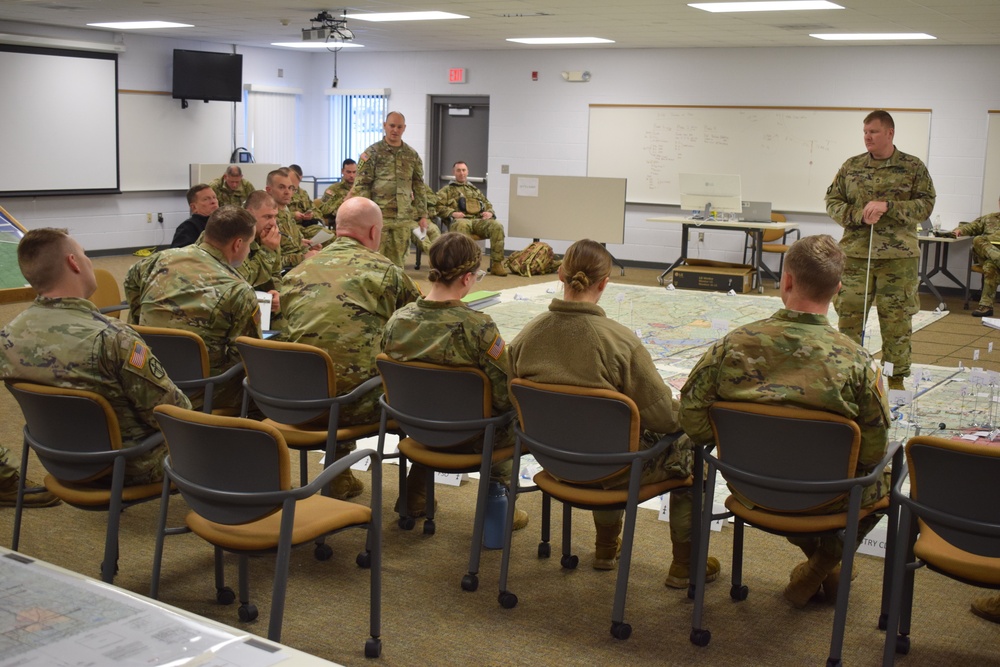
point(496, 515)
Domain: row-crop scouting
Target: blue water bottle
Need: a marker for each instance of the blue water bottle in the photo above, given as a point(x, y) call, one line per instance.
point(496, 515)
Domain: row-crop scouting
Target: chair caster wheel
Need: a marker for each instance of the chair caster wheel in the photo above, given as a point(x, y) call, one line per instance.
point(830, 662)
point(739, 593)
point(373, 648)
point(903, 644)
point(323, 552)
point(570, 562)
point(225, 595)
point(544, 549)
point(701, 637)
point(507, 600)
point(883, 621)
point(247, 612)
point(364, 559)
point(470, 582)
point(407, 522)
point(429, 527)
point(621, 630)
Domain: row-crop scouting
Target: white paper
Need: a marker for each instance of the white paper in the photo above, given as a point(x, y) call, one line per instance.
point(322, 236)
point(264, 303)
point(527, 186)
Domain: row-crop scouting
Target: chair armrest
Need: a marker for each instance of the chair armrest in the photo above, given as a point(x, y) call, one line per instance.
point(336, 468)
point(114, 309)
point(972, 526)
point(147, 444)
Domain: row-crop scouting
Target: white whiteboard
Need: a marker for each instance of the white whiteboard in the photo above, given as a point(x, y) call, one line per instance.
point(784, 155)
point(567, 208)
point(159, 139)
point(991, 176)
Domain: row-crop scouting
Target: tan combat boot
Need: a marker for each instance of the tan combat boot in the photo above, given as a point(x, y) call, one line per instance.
point(679, 575)
point(607, 546)
point(988, 608)
point(345, 486)
point(496, 268)
point(807, 577)
point(416, 492)
point(896, 382)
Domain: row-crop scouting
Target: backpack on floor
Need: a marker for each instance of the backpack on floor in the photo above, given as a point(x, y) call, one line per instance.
point(536, 259)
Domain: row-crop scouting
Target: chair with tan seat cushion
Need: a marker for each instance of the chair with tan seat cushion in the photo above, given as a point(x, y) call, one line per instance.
point(580, 437)
point(775, 241)
point(950, 522)
point(108, 297)
point(783, 466)
point(250, 508)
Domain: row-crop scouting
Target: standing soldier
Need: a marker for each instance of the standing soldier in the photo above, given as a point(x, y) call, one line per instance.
point(472, 213)
point(390, 173)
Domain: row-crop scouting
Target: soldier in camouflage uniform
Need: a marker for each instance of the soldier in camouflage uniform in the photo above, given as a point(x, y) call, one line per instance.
point(440, 329)
point(232, 189)
point(986, 236)
point(880, 198)
point(339, 301)
point(198, 289)
point(431, 233)
point(471, 213)
point(294, 246)
point(62, 340)
point(390, 174)
point(302, 207)
point(576, 344)
point(262, 267)
point(335, 195)
point(795, 358)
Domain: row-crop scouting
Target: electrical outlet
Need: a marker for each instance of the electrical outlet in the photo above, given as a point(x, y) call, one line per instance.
point(159, 218)
point(701, 237)
point(149, 218)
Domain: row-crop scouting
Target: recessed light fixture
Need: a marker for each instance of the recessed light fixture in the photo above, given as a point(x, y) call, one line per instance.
point(319, 45)
point(871, 36)
point(776, 6)
point(405, 16)
point(140, 25)
point(560, 40)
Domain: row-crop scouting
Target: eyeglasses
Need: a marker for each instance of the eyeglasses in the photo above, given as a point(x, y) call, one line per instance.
point(480, 274)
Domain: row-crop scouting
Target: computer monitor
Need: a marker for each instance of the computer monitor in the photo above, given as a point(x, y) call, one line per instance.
point(719, 192)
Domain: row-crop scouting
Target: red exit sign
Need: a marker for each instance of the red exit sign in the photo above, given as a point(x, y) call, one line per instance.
point(456, 75)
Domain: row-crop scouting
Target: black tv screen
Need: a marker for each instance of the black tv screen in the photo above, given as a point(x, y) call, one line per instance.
point(204, 75)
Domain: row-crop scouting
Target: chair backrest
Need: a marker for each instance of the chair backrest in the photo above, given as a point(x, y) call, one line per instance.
point(771, 235)
point(210, 456)
point(792, 444)
point(287, 371)
point(108, 292)
point(958, 478)
point(182, 353)
point(415, 389)
point(70, 421)
point(576, 420)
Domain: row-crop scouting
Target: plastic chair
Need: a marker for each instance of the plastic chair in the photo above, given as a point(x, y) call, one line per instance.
point(295, 386)
point(80, 446)
point(440, 408)
point(775, 241)
point(950, 522)
point(108, 297)
point(787, 462)
point(185, 359)
point(581, 436)
point(250, 508)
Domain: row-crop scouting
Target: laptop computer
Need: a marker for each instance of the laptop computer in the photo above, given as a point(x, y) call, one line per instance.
point(756, 211)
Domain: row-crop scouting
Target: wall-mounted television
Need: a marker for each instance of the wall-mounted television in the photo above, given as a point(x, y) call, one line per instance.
point(205, 75)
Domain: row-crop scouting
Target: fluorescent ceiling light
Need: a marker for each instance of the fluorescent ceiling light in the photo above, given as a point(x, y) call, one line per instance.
point(777, 6)
point(871, 36)
point(560, 40)
point(405, 16)
point(319, 45)
point(140, 25)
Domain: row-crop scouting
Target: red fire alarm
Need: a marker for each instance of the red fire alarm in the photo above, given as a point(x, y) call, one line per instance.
point(456, 75)
point(534, 76)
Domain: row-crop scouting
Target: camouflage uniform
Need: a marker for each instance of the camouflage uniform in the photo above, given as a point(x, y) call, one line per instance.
point(452, 334)
point(333, 197)
point(471, 224)
point(195, 289)
point(391, 177)
point(303, 203)
point(985, 232)
point(903, 181)
point(67, 343)
point(576, 344)
point(262, 267)
point(794, 359)
point(228, 197)
point(433, 232)
point(340, 300)
point(292, 250)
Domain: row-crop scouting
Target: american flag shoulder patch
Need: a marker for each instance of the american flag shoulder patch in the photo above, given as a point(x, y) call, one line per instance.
point(139, 355)
point(496, 348)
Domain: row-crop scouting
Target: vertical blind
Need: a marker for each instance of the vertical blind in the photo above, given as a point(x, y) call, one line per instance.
point(355, 123)
point(271, 123)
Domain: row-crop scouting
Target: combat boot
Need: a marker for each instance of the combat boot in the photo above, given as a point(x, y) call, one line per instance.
point(607, 546)
point(496, 269)
point(988, 608)
point(896, 382)
point(416, 492)
point(679, 575)
point(807, 578)
point(345, 486)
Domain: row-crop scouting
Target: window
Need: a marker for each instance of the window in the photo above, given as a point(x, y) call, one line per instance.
point(271, 122)
point(356, 118)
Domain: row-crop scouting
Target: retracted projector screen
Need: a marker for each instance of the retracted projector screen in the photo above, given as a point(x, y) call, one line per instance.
point(58, 122)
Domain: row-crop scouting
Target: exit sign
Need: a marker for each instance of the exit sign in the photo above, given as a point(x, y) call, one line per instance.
point(456, 75)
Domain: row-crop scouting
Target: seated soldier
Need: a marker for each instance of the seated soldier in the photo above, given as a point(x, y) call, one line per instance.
point(336, 194)
point(294, 246)
point(262, 267)
point(986, 237)
point(232, 189)
point(471, 213)
point(301, 205)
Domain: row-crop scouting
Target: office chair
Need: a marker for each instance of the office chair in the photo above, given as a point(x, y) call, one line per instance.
point(775, 241)
point(581, 436)
point(185, 359)
point(786, 462)
point(950, 522)
point(108, 297)
point(76, 436)
point(250, 508)
point(295, 386)
point(441, 408)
